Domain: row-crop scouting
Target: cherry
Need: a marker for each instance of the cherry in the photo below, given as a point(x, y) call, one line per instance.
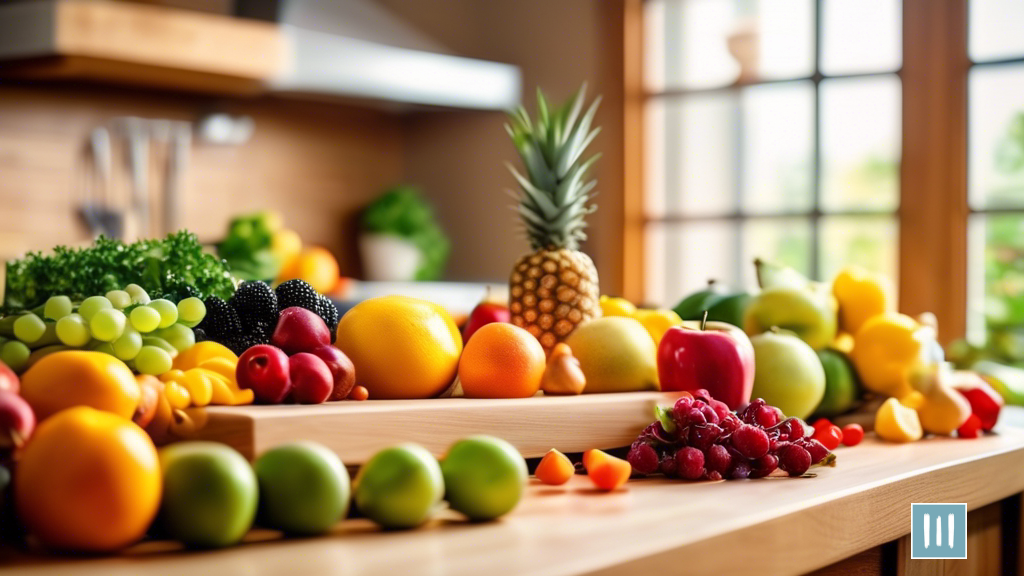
point(852, 434)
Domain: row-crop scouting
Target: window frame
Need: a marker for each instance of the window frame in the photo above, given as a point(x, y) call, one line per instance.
point(933, 210)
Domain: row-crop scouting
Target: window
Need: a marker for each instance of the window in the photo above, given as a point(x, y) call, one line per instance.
point(773, 130)
point(995, 182)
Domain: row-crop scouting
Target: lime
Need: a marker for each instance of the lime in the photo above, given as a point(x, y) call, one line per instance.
point(484, 477)
point(304, 488)
point(399, 487)
point(210, 494)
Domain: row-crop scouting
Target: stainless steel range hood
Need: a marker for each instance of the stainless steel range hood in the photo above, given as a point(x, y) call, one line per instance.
point(356, 48)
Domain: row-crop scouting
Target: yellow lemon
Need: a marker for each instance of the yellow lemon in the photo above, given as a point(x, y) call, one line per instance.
point(401, 347)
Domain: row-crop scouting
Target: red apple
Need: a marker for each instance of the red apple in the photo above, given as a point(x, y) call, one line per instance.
point(17, 421)
point(264, 370)
point(484, 313)
point(718, 358)
point(342, 369)
point(8, 379)
point(312, 381)
point(985, 402)
point(299, 330)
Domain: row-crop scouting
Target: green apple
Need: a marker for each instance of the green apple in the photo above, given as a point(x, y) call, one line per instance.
point(693, 306)
point(210, 494)
point(841, 386)
point(730, 309)
point(787, 373)
point(304, 488)
point(810, 313)
point(400, 487)
point(484, 477)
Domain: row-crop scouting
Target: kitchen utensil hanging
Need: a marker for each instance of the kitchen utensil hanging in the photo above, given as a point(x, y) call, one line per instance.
point(143, 210)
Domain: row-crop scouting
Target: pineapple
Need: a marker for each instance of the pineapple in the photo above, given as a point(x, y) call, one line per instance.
point(554, 289)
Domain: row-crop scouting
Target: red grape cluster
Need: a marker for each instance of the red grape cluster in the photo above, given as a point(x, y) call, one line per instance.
point(700, 438)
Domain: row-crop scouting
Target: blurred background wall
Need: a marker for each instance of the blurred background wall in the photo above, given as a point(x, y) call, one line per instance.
point(319, 162)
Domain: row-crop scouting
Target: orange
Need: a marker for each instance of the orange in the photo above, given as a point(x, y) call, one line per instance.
point(80, 378)
point(285, 245)
point(502, 361)
point(555, 468)
point(401, 347)
point(314, 265)
point(88, 480)
point(606, 471)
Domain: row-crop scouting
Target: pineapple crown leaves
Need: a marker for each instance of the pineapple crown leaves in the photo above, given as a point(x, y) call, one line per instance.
point(553, 196)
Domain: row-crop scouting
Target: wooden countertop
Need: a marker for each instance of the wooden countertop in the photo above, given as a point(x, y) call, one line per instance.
point(779, 526)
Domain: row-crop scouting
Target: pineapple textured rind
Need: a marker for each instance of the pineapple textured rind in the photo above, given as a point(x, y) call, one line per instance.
point(551, 292)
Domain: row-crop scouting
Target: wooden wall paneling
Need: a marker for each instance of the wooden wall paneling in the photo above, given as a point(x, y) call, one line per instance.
point(907, 567)
point(316, 163)
point(458, 158)
point(984, 541)
point(984, 556)
point(933, 212)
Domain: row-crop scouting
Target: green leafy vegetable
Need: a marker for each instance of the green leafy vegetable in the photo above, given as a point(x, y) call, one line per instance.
point(247, 247)
point(175, 266)
point(404, 213)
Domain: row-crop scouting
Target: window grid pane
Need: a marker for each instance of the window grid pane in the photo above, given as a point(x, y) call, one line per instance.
point(860, 143)
point(766, 181)
point(996, 136)
point(995, 29)
point(995, 288)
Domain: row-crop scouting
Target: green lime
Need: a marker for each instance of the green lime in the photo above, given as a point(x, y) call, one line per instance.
point(304, 488)
point(210, 494)
point(484, 477)
point(841, 387)
point(399, 487)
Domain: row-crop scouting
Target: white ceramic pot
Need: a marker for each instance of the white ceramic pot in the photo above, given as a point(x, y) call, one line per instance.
point(388, 258)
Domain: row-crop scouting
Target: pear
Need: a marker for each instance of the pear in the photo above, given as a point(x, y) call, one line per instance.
point(791, 301)
point(942, 409)
point(563, 375)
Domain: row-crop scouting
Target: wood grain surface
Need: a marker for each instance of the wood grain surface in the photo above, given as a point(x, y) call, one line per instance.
point(357, 430)
point(147, 46)
point(774, 526)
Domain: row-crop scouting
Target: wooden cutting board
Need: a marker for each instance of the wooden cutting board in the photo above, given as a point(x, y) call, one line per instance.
point(357, 430)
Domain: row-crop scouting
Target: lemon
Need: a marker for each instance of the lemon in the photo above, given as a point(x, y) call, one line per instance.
point(897, 423)
point(401, 347)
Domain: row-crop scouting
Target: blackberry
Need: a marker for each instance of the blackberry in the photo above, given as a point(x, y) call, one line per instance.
point(200, 334)
point(221, 321)
point(240, 342)
point(329, 313)
point(297, 293)
point(256, 305)
point(260, 334)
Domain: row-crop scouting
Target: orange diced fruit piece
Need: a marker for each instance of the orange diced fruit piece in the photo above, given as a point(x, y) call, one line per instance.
point(555, 468)
point(606, 472)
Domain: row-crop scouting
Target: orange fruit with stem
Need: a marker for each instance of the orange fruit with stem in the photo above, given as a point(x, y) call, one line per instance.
point(502, 361)
point(555, 468)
